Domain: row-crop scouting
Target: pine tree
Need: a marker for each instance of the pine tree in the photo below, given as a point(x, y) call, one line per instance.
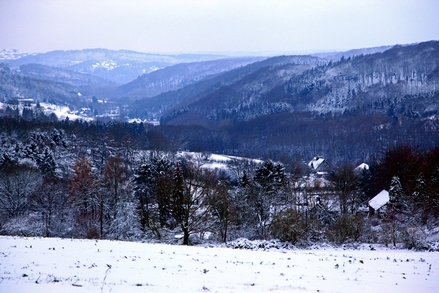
point(46, 162)
point(421, 196)
point(432, 204)
point(394, 207)
point(142, 180)
point(396, 194)
point(179, 202)
point(153, 185)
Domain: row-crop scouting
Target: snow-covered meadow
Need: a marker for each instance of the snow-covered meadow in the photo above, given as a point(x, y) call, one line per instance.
point(66, 265)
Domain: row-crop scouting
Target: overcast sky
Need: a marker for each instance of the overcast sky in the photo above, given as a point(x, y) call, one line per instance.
point(215, 25)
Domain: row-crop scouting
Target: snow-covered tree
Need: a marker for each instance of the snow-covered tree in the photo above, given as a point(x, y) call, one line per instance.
point(261, 195)
point(396, 194)
point(153, 183)
point(50, 201)
point(46, 162)
point(17, 184)
point(114, 189)
point(125, 225)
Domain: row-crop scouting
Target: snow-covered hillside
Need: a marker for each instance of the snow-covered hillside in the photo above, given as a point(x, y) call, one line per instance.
point(12, 54)
point(61, 112)
point(65, 265)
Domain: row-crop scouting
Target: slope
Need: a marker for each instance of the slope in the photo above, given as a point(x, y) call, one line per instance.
point(175, 103)
point(393, 82)
point(15, 85)
point(178, 76)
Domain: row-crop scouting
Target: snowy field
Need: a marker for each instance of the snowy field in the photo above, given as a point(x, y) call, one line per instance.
point(64, 265)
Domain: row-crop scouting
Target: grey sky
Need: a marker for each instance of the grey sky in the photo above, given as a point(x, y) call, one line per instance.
point(215, 25)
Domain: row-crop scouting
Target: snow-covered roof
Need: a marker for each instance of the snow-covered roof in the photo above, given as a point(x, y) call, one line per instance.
point(316, 162)
point(379, 200)
point(362, 166)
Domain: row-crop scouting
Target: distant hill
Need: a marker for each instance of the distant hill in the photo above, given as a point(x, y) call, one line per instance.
point(43, 72)
point(394, 81)
point(120, 66)
point(14, 85)
point(336, 56)
point(231, 88)
point(178, 76)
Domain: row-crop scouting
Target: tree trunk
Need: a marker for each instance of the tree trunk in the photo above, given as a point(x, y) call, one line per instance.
point(185, 236)
point(101, 218)
point(226, 225)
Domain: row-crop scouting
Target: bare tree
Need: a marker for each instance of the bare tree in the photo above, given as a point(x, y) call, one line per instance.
point(17, 184)
point(83, 189)
point(346, 185)
point(50, 200)
point(222, 208)
point(189, 204)
point(113, 190)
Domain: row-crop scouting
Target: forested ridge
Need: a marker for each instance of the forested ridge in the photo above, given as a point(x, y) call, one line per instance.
point(129, 181)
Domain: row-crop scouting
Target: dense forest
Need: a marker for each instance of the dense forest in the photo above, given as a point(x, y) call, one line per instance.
point(133, 181)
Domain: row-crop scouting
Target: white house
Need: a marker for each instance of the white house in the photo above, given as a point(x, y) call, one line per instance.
point(380, 200)
point(319, 165)
point(361, 167)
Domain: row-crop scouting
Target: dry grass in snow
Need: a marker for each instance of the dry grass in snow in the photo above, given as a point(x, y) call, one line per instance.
point(65, 265)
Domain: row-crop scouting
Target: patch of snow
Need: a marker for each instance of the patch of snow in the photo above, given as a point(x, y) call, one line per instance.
point(221, 158)
point(12, 54)
point(138, 120)
point(215, 166)
point(62, 112)
point(153, 68)
point(108, 64)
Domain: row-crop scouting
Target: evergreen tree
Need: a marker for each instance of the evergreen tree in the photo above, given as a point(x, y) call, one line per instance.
point(421, 196)
point(396, 194)
point(263, 193)
point(142, 180)
point(46, 162)
point(153, 184)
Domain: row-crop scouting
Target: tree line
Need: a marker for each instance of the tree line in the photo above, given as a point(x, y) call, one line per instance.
point(101, 182)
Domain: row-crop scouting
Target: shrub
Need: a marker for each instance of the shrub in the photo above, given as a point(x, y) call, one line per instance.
point(292, 226)
point(346, 228)
point(414, 238)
